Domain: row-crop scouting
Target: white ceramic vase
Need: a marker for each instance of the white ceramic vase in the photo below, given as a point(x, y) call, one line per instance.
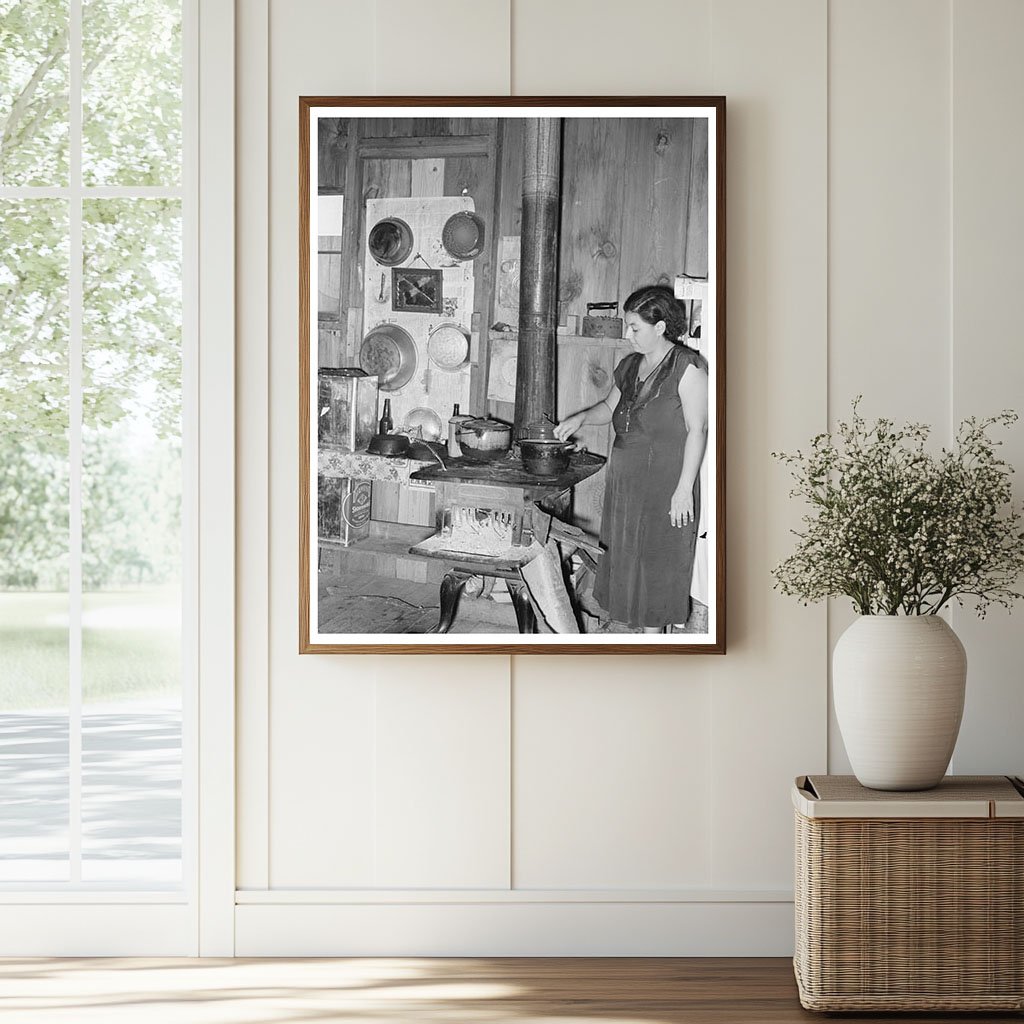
point(898, 684)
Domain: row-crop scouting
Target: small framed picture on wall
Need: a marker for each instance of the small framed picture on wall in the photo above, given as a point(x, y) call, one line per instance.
point(417, 291)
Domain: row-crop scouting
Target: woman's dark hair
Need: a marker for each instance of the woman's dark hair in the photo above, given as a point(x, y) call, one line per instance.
point(658, 302)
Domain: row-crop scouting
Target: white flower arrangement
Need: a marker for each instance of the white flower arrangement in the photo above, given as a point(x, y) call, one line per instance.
point(897, 529)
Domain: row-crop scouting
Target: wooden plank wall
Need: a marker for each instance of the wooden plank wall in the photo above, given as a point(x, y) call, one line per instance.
point(332, 158)
point(403, 176)
point(433, 175)
point(341, 170)
point(634, 207)
point(656, 203)
point(634, 204)
point(697, 220)
point(510, 214)
point(332, 151)
point(478, 177)
point(593, 180)
point(510, 206)
point(626, 221)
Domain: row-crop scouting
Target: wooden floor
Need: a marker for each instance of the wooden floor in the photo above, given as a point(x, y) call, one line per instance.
point(413, 991)
point(363, 602)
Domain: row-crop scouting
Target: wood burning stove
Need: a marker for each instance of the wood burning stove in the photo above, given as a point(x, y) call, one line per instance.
point(485, 523)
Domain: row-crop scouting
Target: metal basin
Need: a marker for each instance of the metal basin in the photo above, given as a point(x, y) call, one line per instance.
point(389, 352)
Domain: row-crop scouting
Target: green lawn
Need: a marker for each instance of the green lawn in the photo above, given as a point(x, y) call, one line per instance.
point(130, 647)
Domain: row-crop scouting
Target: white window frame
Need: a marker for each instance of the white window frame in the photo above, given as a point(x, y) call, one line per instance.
point(197, 918)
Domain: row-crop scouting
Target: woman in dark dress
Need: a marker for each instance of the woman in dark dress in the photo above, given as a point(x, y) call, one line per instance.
point(659, 408)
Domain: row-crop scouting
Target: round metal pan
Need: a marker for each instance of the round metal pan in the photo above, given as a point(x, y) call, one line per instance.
point(390, 241)
point(448, 347)
point(389, 352)
point(463, 235)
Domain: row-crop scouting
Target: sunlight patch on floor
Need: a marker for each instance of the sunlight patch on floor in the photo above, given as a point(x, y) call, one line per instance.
point(221, 991)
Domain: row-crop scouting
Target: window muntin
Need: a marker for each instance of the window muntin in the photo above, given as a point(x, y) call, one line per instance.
point(91, 374)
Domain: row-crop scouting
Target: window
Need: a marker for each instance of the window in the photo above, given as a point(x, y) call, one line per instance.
point(94, 455)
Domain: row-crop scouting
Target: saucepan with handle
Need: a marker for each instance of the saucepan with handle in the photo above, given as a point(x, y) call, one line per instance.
point(484, 439)
point(542, 453)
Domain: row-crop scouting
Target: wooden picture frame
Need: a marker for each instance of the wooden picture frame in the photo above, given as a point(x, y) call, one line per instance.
point(417, 290)
point(369, 586)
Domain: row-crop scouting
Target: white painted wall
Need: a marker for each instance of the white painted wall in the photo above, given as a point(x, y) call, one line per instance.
point(626, 805)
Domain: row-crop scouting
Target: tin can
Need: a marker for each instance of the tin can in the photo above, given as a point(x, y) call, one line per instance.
point(355, 510)
point(343, 509)
point(346, 407)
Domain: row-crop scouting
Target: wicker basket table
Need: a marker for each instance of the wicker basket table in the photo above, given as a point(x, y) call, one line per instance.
point(910, 901)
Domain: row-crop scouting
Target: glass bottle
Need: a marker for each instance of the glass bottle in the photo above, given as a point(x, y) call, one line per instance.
point(387, 424)
point(454, 423)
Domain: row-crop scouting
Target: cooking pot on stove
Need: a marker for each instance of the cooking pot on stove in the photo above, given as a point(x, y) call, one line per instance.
point(484, 440)
point(545, 456)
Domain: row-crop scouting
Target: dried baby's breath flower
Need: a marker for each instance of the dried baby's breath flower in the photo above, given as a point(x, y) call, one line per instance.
point(897, 529)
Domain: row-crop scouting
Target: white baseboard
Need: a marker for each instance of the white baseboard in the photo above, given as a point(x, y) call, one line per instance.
point(99, 928)
point(503, 928)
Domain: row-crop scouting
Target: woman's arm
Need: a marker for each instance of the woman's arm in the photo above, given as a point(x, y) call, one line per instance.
point(693, 395)
point(595, 416)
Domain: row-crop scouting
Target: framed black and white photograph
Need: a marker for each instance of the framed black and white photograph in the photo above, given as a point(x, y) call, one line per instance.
point(511, 368)
point(417, 291)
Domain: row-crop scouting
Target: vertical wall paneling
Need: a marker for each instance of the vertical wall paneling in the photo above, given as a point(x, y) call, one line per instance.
point(889, 246)
point(889, 232)
point(214, 288)
point(252, 458)
point(845, 261)
point(319, 762)
point(449, 48)
point(322, 812)
point(442, 776)
point(611, 774)
point(578, 48)
point(769, 692)
point(987, 369)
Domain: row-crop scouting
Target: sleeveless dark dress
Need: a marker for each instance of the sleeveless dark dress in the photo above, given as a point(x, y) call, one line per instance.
point(647, 566)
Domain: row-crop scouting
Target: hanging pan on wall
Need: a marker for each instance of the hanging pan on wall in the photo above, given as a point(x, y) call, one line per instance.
point(390, 241)
point(424, 420)
point(389, 352)
point(448, 347)
point(463, 235)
